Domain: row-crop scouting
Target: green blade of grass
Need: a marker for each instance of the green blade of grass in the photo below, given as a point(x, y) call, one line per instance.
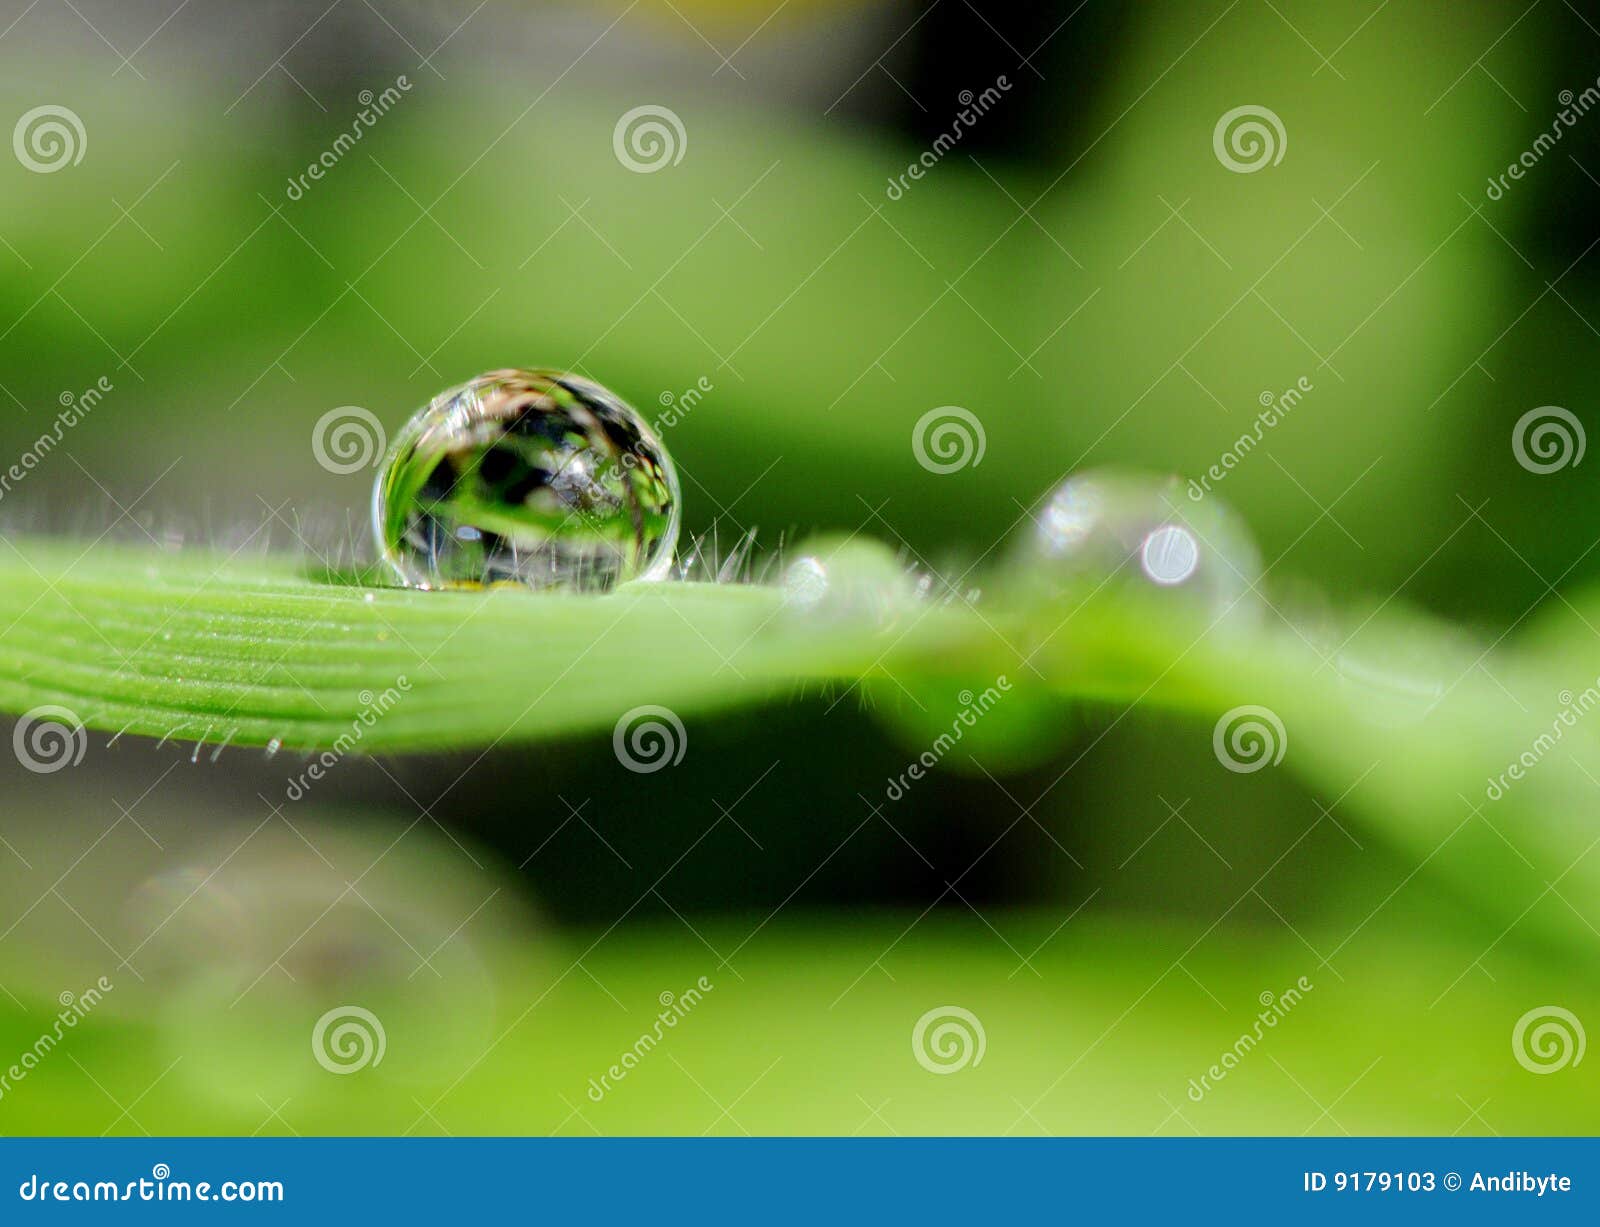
point(1400, 722)
point(253, 652)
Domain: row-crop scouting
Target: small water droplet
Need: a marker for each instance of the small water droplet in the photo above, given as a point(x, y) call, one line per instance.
point(536, 477)
point(854, 578)
point(1119, 529)
point(1392, 668)
point(805, 583)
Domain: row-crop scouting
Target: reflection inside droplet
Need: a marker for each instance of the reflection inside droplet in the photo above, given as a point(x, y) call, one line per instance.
point(1070, 516)
point(1170, 555)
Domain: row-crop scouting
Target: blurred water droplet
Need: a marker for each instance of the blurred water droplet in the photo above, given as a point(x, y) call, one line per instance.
point(805, 583)
point(242, 946)
point(534, 477)
point(1124, 531)
point(837, 578)
point(1388, 692)
point(1392, 669)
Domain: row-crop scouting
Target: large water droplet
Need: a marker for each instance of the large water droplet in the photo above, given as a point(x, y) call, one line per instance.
point(1122, 531)
point(535, 477)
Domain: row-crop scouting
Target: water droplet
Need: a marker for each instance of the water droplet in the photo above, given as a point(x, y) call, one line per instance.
point(848, 578)
point(1123, 530)
point(216, 912)
point(1392, 669)
point(805, 583)
point(533, 477)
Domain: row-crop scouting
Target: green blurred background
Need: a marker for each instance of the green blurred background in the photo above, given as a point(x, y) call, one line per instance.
point(1080, 271)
